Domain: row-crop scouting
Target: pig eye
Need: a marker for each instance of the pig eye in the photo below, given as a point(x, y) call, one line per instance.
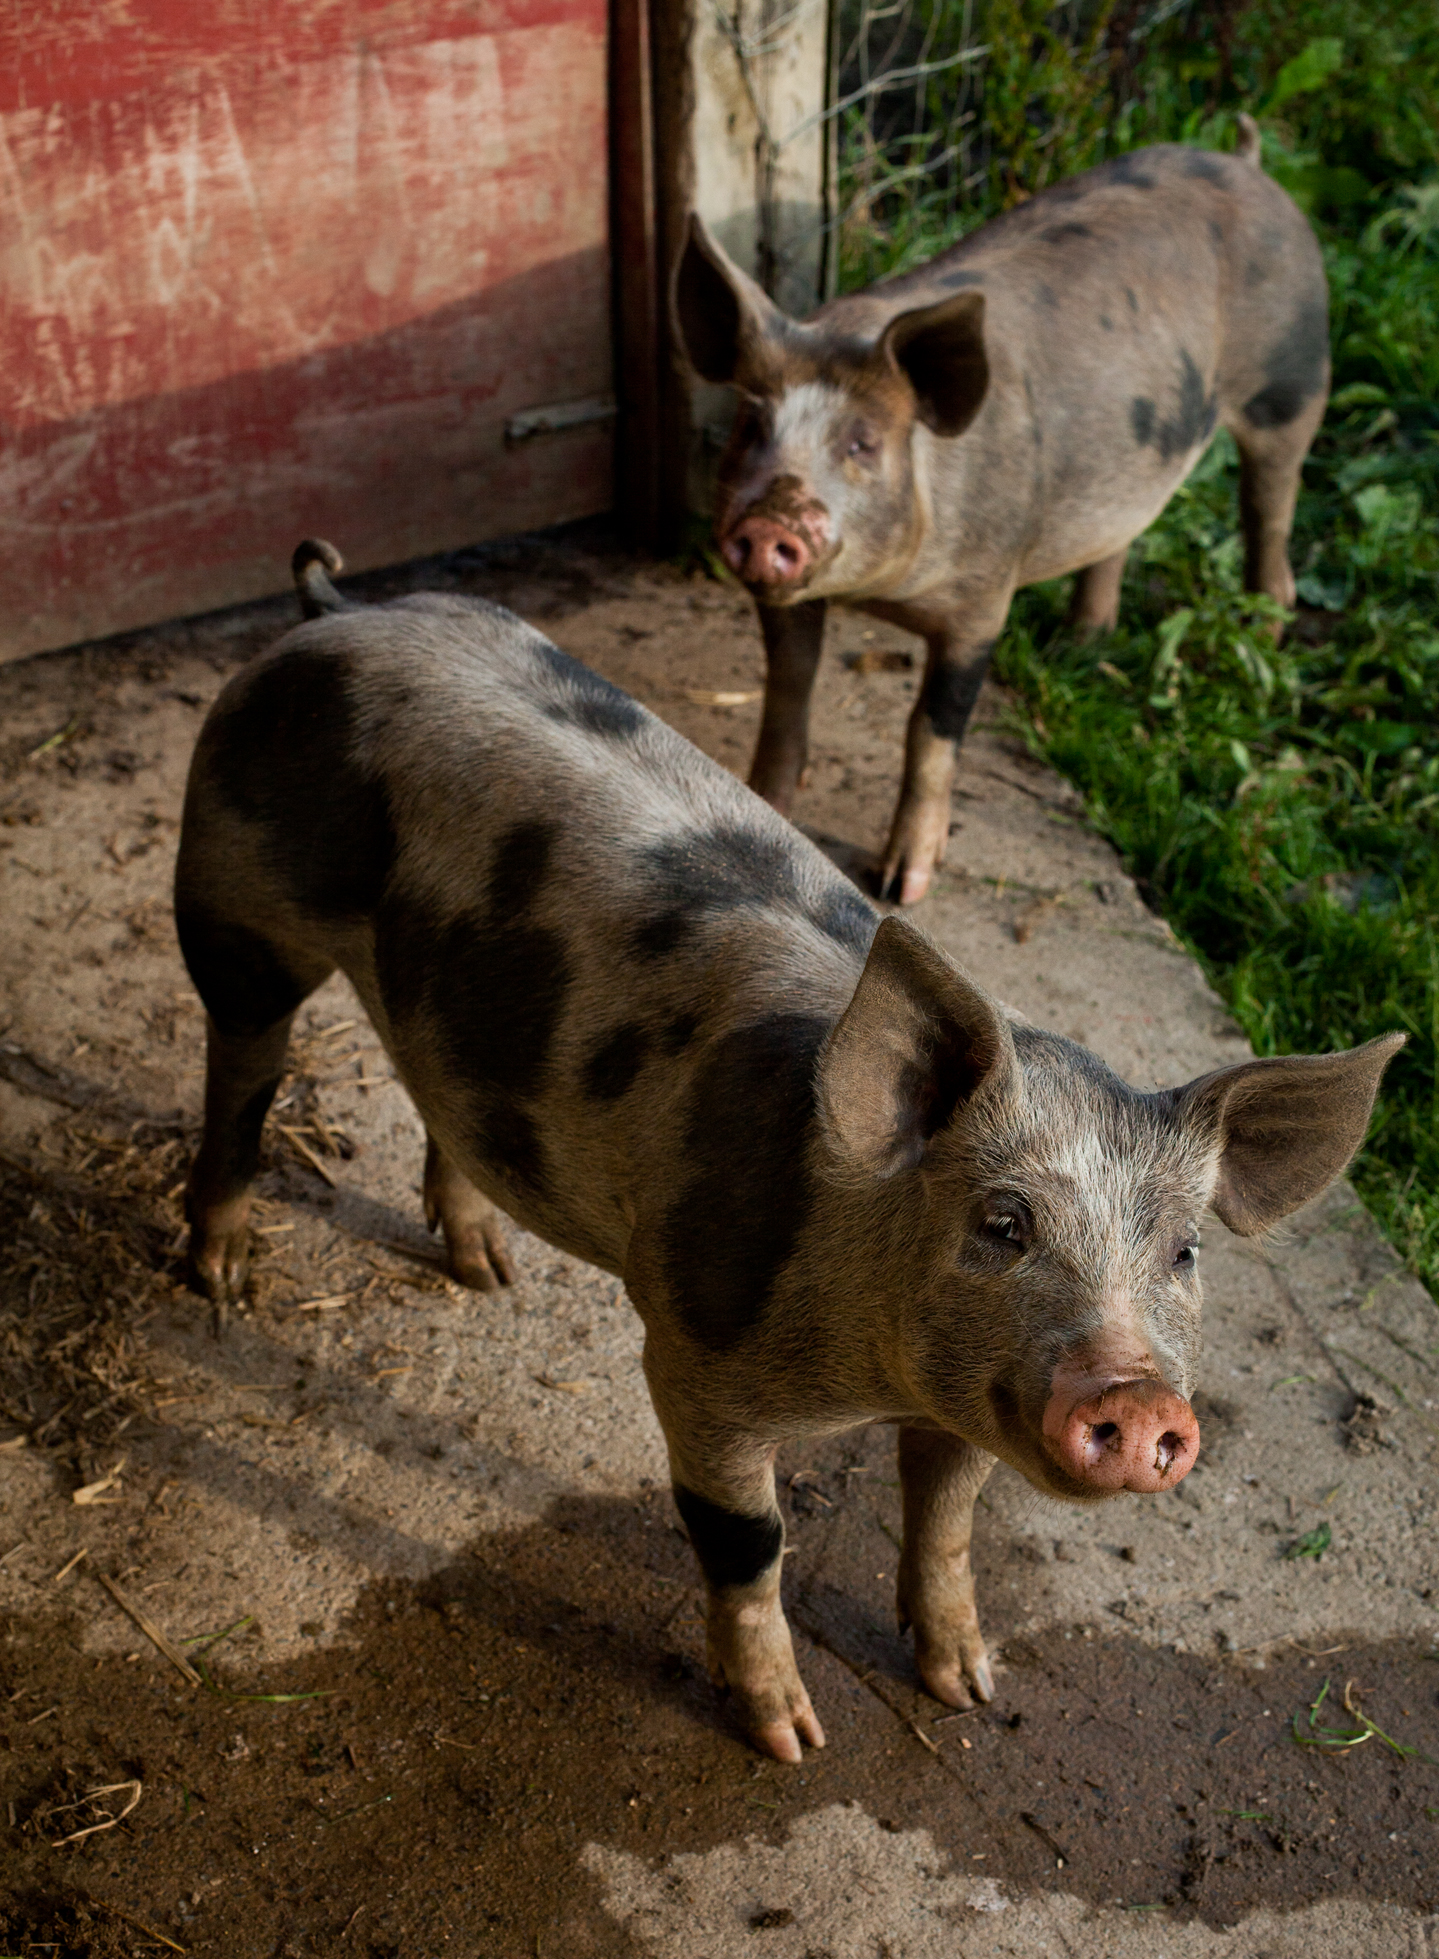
point(862, 445)
point(1186, 1258)
point(1009, 1226)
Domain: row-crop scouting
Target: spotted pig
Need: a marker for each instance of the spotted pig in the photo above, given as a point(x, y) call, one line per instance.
point(1020, 407)
point(642, 1015)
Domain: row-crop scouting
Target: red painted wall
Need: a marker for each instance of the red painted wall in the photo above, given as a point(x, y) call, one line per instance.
point(282, 268)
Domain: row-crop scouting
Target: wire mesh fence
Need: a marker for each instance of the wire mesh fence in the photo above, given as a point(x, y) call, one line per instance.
point(941, 112)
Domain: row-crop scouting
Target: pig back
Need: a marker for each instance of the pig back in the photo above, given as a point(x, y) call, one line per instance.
point(1128, 312)
point(556, 911)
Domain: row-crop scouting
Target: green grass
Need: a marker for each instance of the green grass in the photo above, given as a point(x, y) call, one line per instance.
point(1281, 804)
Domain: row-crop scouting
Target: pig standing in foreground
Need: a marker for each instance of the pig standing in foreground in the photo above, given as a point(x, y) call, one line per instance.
point(641, 1013)
point(1022, 406)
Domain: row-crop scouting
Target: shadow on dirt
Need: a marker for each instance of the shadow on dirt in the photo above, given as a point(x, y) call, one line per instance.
point(437, 1775)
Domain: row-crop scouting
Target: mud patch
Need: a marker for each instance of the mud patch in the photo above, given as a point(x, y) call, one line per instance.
point(473, 1734)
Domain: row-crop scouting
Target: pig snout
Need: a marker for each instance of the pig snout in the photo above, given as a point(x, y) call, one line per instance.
point(1133, 1435)
point(762, 551)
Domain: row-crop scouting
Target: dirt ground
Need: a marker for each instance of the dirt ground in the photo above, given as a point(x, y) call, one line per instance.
point(446, 1688)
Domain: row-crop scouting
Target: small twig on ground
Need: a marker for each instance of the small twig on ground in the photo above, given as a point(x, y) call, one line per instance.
point(302, 1149)
point(139, 1924)
point(151, 1631)
point(93, 1829)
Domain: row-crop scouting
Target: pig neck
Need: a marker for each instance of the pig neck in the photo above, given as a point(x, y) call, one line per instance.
point(845, 1300)
point(977, 504)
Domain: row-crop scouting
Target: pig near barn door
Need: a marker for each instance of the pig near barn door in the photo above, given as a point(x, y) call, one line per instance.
point(1022, 406)
point(645, 1017)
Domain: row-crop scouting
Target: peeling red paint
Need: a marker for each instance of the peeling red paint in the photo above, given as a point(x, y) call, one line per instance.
point(277, 270)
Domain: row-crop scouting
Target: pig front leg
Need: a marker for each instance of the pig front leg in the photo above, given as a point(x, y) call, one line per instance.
point(954, 672)
point(793, 639)
point(479, 1254)
point(740, 1546)
point(941, 1476)
point(724, 1491)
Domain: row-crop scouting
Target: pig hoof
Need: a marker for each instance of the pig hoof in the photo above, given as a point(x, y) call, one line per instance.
point(783, 1739)
point(958, 1683)
point(915, 849)
point(219, 1266)
point(481, 1261)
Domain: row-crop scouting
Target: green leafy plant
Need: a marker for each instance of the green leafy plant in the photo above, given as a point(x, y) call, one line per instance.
point(1279, 804)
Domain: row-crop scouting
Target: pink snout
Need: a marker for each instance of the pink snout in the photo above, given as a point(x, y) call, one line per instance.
point(1136, 1435)
point(762, 551)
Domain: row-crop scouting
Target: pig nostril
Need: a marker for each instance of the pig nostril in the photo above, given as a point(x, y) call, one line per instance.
point(1104, 1433)
point(1168, 1451)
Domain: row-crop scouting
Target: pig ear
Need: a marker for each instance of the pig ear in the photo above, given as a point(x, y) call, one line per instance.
point(916, 1043)
point(722, 318)
point(940, 351)
point(1285, 1126)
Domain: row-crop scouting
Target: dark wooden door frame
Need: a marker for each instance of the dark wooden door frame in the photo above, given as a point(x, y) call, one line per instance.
point(640, 334)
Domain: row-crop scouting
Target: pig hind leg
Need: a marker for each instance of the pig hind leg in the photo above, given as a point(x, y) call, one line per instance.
point(1270, 460)
point(475, 1240)
point(941, 1476)
point(251, 990)
point(1094, 607)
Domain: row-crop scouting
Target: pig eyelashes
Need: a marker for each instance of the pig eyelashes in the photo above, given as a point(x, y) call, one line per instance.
point(1007, 1222)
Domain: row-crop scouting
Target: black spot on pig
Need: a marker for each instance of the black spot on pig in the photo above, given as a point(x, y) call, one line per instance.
point(1192, 423)
point(733, 1549)
point(1126, 170)
point(1216, 233)
point(244, 981)
point(680, 1032)
point(1057, 234)
point(492, 989)
point(956, 279)
point(521, 865)
point(506, 1137)
point(691, 877)
point(284, 756)
point(1045, 295)
point(746, 1195)
point(848, 918)
point(1294, 372)
point(482, 993)
point(1202, 164)
point(611, 1070)
point(590, 702)
point(1106, 323)
point(1132, 297)
point(950, 692)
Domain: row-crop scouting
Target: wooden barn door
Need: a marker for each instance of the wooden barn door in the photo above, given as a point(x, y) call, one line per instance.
point(278, 267)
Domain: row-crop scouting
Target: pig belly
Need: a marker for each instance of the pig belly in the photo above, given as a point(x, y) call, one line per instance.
point(1077, 536)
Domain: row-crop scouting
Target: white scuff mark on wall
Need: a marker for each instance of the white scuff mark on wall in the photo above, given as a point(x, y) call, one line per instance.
point(157, 242)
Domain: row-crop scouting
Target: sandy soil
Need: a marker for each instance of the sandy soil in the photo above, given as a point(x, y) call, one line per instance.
point(457, 1701)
